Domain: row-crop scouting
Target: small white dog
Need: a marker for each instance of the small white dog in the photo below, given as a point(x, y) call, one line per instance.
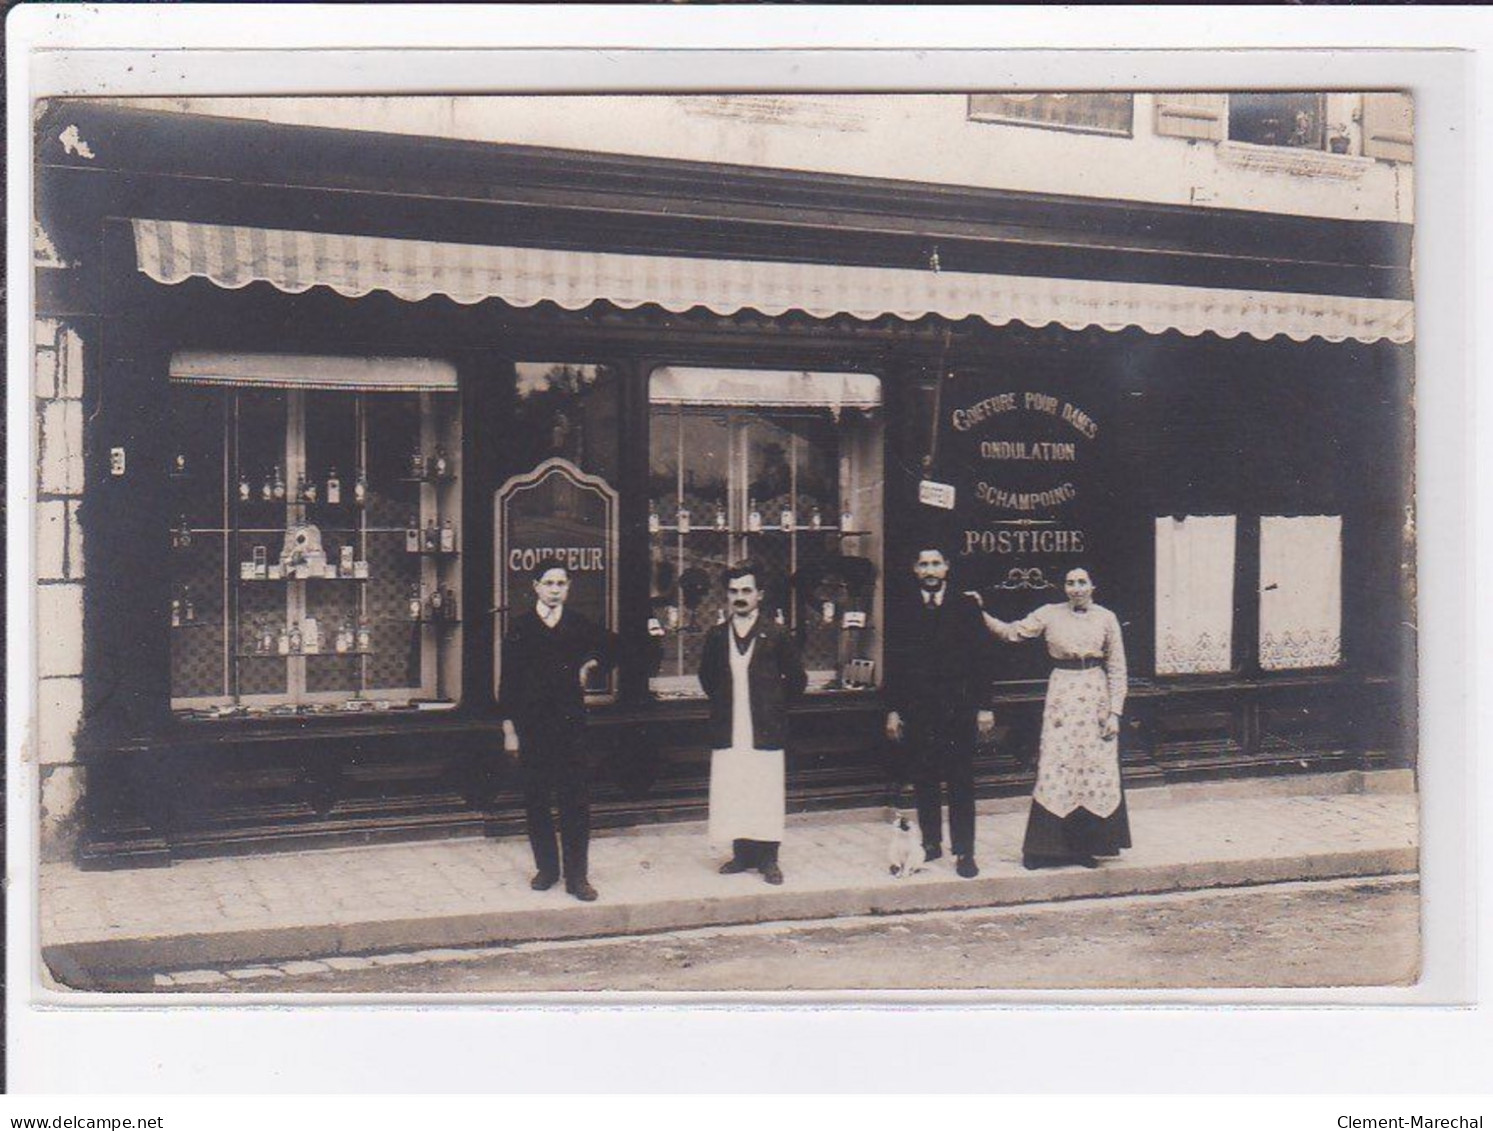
point(905, 853)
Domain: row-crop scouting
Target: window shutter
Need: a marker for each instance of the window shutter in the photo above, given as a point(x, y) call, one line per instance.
point(1389, 127)
point(1203, 116)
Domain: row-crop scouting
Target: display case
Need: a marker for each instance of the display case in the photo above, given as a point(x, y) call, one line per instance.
point(783, 469)
point(316, 549)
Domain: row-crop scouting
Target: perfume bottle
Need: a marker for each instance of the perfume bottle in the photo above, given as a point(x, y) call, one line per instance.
point(683, 520)
point(654, 524)
point(416, 602)
point(847, 521)
point(266, 637)
point(787, 517)
point(278, 487)
point(440, 466)
point(448, 537)
point(720, 517)
point(183, 536)
point(344, 640)
point(245, 492)
point(175, 612)
point(179, 465)
point(308, 489)
point(816, 520)
point(360, 488)
point(282, 641)
point(432, 535)
point(417, 463)
point(310, 636)
point(754, 517)
point(412, 535)
point(451, 603)
point(296, 639)
point(334, 489)
point(437, 604)
point(365, 635)
point(267, 488)
point(188, 609)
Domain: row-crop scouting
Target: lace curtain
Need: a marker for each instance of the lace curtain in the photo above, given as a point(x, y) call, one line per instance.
point(1301, 592)
point(1194, 594)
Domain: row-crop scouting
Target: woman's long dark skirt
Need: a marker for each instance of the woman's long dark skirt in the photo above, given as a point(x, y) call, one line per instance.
point(1053, 839)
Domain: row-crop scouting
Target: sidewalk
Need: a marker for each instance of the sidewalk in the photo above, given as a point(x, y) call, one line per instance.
point(284, 907)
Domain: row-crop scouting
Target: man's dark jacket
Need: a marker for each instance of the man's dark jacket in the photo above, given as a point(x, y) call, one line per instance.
point(539, 688)
point(775, 678)
point(939, 663)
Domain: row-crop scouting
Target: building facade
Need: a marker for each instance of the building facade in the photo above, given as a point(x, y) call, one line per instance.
point(318, 381)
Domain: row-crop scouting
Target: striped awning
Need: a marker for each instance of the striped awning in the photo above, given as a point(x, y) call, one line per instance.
point(171, 251)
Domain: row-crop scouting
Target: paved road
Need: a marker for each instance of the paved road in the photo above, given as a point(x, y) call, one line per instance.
point(1343, 933)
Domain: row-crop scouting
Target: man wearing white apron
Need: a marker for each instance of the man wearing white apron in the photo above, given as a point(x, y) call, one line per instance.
point(751, 671)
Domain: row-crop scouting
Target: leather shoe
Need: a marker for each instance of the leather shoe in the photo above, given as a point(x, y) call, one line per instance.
point(733, 866)
point(582, 890)
point(543, 881)
point(967, 867)
point(932, 852)
point(772, 873)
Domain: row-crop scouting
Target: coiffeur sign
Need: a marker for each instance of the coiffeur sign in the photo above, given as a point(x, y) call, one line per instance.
point(556, 511)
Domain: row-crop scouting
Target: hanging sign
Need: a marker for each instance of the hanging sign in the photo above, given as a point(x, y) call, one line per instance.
point(556, 511)
point(932, 494)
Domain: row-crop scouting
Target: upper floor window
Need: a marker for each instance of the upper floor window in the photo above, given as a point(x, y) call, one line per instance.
point(1100, 113)
point(1297, 121)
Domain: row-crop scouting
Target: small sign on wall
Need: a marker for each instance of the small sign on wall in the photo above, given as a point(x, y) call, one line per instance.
point(940, 495)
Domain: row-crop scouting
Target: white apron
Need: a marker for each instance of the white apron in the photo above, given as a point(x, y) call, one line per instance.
point(748, 790)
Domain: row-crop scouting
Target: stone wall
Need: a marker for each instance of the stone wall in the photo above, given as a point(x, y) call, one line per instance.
point(60, 572)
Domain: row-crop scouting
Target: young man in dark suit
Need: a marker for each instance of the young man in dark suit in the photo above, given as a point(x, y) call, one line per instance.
point(750, 669)
point(548, 655)
point(938, 673)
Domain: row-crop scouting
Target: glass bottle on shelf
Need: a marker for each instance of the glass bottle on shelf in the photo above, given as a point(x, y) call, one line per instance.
point(311, 636)
point(343, 642)
point(182, 536)
point(412, 535)
point(448, 537)
point(188, 609)
point(754, 517)
point(296, 639)
point(432, 535)
point(847, 521)
point(307, 490)
point(417, 463)
point(451, 604)
point(816, 519)
point(655, 524)
point(278, 485)
point(365, 635)
point(787, 517)
point(179, 464)
point(683, 520)
point(437, 604)
point(175, 612)
point(267, 488)
point(282, 640)
point(334, 489)
point(266, 637)
point(360, 488)
point(440, 466)
point(720, 516)
point(416, 602)
point(245, 492)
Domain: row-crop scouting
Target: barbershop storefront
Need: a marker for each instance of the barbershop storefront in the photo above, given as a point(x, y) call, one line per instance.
point(343, 390)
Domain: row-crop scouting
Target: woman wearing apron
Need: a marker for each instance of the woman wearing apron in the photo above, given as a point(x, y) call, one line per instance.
point(751, 671)
point(1078, 807)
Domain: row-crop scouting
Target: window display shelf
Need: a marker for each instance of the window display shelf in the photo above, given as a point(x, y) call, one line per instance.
point(333, 654)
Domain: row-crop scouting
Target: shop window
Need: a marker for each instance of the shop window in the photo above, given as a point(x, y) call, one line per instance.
point(1103, 113)
point(783, 469)
point(316, 542)
point(1301, 580)
point(1194, 594)
point(1295, 121)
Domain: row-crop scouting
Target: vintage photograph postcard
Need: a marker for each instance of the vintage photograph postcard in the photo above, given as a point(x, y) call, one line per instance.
point(715, 542)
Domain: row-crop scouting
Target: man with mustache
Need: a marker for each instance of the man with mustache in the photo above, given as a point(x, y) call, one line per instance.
point(751, 671)
point(938, 673)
